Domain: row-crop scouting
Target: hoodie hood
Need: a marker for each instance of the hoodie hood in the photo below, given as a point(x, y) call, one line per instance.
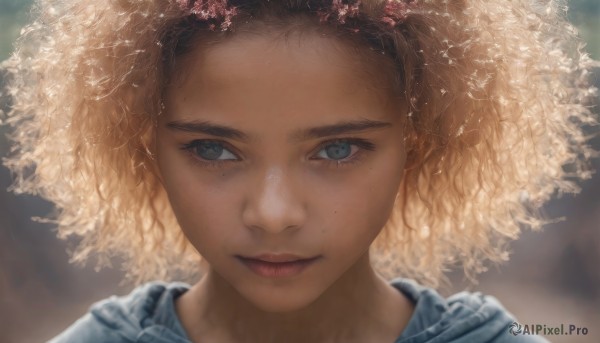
point(462, 317)
point(148, 315)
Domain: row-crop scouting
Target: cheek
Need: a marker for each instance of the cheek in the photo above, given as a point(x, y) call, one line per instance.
point(360, 205)
point(198, 202)
point(206, 215)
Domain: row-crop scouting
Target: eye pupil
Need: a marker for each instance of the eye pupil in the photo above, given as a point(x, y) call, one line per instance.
point(209, 150)
point(339, 150)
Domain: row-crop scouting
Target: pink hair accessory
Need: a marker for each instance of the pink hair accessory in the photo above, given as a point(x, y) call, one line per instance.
point(341, 11)
point(210, 9)
point(396, 11)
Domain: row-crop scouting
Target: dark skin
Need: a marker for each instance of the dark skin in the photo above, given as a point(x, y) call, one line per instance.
point(281, 191)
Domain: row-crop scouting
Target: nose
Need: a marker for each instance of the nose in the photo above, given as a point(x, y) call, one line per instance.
point(274, 205)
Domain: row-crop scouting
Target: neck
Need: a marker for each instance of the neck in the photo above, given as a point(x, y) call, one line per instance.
point(359, 304)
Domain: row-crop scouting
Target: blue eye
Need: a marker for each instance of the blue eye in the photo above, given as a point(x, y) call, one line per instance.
point(335, 153)
point(344, 152)
point(209, 150)
point(338, 150)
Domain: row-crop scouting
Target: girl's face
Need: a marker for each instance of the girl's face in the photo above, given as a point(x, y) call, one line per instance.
point(279, 147)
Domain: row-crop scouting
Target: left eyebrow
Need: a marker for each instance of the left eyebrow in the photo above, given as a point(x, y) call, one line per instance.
point(340, 128)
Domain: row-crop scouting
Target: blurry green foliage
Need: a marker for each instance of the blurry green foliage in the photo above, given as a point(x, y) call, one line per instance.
point(585, 14)
point(13, 14)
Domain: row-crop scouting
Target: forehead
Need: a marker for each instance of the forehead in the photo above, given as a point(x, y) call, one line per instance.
point(298, 40)
point(267, 74)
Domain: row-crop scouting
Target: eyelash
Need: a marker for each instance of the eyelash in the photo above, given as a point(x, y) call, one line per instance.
point(362, 144)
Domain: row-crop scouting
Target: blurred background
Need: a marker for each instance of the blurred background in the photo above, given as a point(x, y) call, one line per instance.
point(553, 276)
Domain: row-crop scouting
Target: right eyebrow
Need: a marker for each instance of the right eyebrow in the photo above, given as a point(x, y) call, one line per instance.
point(209, 129)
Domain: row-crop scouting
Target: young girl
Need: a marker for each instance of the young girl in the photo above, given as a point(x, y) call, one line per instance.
point(293, 156)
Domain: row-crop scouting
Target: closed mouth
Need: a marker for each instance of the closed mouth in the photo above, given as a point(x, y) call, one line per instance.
point(277, 269)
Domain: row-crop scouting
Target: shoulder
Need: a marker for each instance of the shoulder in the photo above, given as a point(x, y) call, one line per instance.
point(124, 319)
point(462, 317)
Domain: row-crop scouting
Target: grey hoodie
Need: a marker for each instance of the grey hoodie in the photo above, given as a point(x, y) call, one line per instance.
point(147, 315)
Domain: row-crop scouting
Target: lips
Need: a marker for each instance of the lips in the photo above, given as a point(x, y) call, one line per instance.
point(276, 258)
point(277, 265)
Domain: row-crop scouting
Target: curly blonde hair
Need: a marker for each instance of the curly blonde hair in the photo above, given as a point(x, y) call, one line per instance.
point(497, 95)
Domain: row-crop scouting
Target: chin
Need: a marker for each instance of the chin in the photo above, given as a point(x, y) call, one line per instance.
point(277, 299)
